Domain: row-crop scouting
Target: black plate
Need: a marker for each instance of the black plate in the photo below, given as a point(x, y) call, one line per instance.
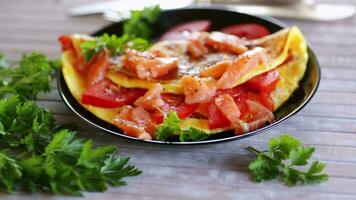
point(219, 18)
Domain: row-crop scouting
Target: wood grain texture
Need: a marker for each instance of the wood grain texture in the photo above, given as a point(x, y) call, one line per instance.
point(217, 171)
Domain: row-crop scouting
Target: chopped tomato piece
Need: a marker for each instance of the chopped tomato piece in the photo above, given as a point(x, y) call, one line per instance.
point(173, 99)
point(106, 94)
point(175, 103)
point(247, 30)
point(266, 100)
point(265, 82)
point(175, 33)
point(98, 68)
point(216, 118)
point(66, 43)
point(225, 42)
point(185, 110)
point(203, 109)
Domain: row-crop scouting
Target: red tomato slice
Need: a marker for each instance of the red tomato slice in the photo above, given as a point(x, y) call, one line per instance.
point(247, 30)
point(266, 100)
point(107, 94)
point(265, 82)
point(98, 68)
point(185, 110)
point(177, 104)
point(66, 43)
point(175, 33)
point(216, 118)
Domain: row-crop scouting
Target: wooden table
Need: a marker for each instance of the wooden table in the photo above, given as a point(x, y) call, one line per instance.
point(216, 171)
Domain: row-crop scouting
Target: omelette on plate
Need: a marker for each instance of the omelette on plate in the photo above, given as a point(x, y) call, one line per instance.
point(213, 81)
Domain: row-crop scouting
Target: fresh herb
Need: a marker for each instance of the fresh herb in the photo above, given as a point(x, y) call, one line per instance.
point(170, 127)
point(285, 155)
point(31, 77)
point(139, 23)
point(192, 135)
point(3, 61)
point(37, 154)
point(136, 34)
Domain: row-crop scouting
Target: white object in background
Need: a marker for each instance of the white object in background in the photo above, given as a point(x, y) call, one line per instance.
point(126, 5)
point(306, 9)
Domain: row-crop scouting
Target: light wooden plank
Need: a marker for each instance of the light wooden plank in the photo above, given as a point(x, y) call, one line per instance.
point(210, 171)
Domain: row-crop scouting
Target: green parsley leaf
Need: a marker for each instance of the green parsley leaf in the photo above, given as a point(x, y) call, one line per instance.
point(29, 79)
point(136, 33)
point(36, 153)
point(285, 153)
point(264, 168)
point(192, 135)
point(300, 155)
point(3, 61)
point(139, 23)
point(169, 127)
point(10, 171)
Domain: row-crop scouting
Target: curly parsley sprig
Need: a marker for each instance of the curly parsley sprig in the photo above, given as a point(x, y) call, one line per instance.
point(170, 127)
point(36, 153)
point(30, 77)
point(136, 35)
point(283, 159)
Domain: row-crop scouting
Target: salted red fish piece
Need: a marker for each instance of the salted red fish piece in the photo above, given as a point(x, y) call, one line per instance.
point(260, 116)
point(142, 118)
point(198, 90)
point(225, 42)
point(152, 98)
point(147, 66)
point(216, 70)
point(228, 107)
point(226, 104)
point(124, 121)
point(240, 66)
point(196, 44)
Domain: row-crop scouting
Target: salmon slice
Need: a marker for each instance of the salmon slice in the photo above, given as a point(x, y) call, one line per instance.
point(142, 118)
point(240, 66)
point(198, 90)
point(228, 107)
point(225, 42)
point(196, 44)
point(124, 121)
point(152, 98)
point(216, 70)
point(147, 66)
point(260, 116)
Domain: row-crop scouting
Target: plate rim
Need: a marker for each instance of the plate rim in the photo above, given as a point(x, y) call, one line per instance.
point(61, 85)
